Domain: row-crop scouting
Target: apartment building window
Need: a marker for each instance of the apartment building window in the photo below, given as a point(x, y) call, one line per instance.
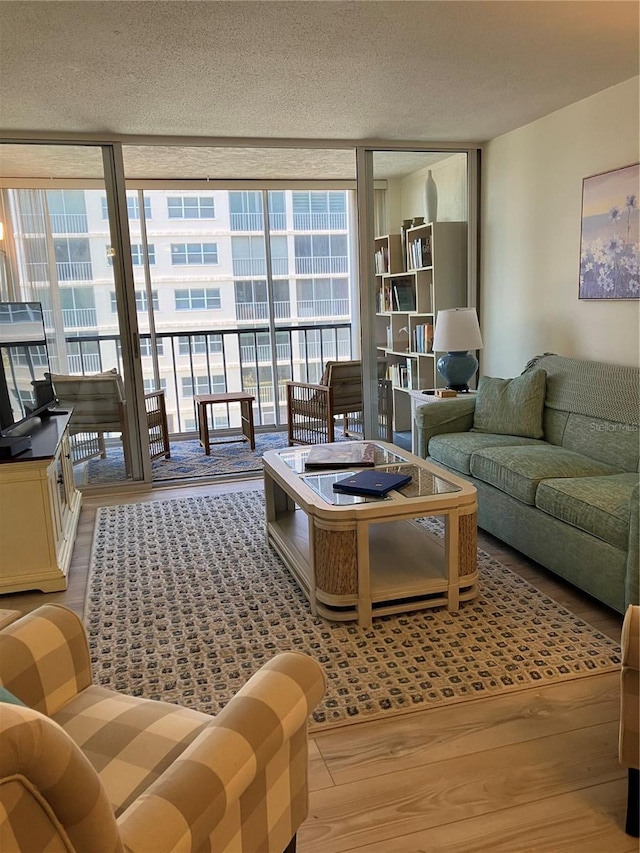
point(200, 344)
point(279, 256)
point(277, 211)
point(33, 356)
point(67, 211)
point(191, 207)
point(133, 207)
point(198, 299)
point(324, 297)
point(137, 254)
point(150, 385)
point(245, 209)
point(146, 348)
point(142, 303)
point(321, 254)
point(73, 258)
point(320, 210)
point(78, 307)
point(252, 303)
point(192, 385)
point(194, 253)
point(256, 347)
point(249, 256)
point(83, 357)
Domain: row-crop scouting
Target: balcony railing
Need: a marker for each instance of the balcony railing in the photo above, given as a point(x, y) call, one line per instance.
point(254, 222)
point(320, 221)
point(250, 266)
point(69, 223)
point(79, 318)
point(260, 310)
point(323, 307)
point(74, 271)
point(322, 266)
point(240, 366)
point(89, 361)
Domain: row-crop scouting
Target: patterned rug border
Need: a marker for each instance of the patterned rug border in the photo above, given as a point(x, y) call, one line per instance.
point(111, 667)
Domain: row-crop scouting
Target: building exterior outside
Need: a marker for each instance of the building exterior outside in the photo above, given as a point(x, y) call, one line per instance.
point(206, 292)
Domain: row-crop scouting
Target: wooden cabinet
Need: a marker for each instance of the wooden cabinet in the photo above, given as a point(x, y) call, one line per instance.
point(413, 282)
point(39, 510)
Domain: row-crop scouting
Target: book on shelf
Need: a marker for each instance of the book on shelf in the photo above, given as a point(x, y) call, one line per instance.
point(423, 338)
point(420, 252)
point(374, 483)
point(404, 296)
point(343, 454)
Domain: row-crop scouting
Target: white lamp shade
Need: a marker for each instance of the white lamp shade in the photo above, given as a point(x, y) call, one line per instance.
point(457, 330)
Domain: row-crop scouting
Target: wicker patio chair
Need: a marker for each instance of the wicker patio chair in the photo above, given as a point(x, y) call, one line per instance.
point(312, 409)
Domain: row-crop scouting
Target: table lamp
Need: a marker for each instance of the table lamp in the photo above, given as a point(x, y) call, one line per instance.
point(457, 332)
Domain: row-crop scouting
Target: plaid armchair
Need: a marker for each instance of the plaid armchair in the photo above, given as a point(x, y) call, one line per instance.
point(629, 744)
point(85, 768)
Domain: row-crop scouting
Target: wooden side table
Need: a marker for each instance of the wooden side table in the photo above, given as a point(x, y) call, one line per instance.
point(246, 415)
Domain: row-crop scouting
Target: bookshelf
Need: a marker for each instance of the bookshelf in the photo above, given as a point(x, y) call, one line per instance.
point(413, 283)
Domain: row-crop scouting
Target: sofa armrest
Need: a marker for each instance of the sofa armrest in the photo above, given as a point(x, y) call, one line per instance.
point(256, 746)
point(449, 415)
point(44, 658)
point(629, 742)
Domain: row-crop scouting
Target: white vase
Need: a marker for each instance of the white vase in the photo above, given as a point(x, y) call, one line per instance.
point(430, 198)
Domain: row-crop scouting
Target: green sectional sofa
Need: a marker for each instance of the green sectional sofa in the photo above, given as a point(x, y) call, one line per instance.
point(554, 455)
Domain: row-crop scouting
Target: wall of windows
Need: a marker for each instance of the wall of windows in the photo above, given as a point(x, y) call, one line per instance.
point(204, 273)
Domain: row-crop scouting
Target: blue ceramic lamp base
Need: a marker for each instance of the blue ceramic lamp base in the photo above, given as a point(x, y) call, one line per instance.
point(457, 368)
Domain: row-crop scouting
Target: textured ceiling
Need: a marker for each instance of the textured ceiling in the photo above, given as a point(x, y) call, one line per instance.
point(188, 163)
point(434, 71)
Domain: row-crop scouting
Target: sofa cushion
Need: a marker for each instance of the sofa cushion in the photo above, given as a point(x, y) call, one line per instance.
point(511, 406)
point(455, 449)
point(597, 505)
point(518, 470)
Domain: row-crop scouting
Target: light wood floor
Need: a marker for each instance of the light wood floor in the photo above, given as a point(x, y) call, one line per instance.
point(531, 771)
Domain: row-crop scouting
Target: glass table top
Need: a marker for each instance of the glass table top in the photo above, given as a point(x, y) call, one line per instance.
point(423, 484)
point(295, 457)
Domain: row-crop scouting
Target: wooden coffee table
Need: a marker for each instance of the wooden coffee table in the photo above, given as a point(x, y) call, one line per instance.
point(355, 557)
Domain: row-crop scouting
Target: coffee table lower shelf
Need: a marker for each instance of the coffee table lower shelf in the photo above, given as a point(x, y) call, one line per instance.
point(408, 567)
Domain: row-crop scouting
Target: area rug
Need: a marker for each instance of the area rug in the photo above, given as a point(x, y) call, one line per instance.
point(185, 602)
point(188, 460)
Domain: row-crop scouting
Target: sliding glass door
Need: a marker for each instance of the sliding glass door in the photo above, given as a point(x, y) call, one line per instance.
point(58, 249)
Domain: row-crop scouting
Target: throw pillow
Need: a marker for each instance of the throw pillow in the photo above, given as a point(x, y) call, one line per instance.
point(511, 406)
point(7, 696)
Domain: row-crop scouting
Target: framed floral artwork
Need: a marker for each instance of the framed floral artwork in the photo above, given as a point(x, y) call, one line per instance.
point(610, 235)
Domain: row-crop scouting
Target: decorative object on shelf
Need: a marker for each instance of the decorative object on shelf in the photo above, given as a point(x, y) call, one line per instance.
point(417, 221)
point(430, 198)
point(405, 331)
point(610, 235)
point(457, 332)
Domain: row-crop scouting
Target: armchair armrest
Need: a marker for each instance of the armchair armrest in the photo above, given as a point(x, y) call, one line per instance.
point(44, 658)
point(450, 415)
point(309, 412)
point(257, 742)
point(629, 741)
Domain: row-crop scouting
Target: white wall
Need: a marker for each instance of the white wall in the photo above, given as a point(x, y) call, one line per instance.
point(531, 203)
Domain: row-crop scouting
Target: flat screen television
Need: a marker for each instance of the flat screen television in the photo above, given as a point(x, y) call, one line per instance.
point(25, 387)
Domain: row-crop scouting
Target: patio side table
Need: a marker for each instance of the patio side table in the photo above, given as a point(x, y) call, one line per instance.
point(246, 416)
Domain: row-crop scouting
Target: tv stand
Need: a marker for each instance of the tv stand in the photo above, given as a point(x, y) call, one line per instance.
point(39, 511)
